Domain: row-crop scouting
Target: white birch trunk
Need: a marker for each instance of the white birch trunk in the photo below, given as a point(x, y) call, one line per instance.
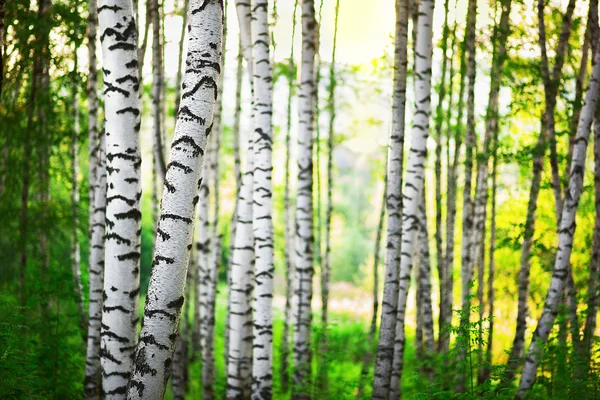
point(389, 304)
point(208, 357)
point(304, 264)
point(154, 354)
point(93, 378)
point(123, 217)
point(239, 364)
point(566, 233)
point(415, 174)
point(262, 206)
point(289, 225)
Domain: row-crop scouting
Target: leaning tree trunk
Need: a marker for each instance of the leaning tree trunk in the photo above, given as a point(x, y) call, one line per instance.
point(389, 304)
point(180, 196)
point(413, 189)
point(262, 206)
point(123, 217)
point(304, 265)
point(566, 233)
point(289, 226)
point(203, 267)
point(93, 377)
point(157, 91)
point(526, 247)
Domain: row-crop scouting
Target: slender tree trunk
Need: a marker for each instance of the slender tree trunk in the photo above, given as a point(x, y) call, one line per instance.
point(446, 315)
point(238, 183)
point(518, 345)
point(594, 275)
point(203, 245)
point(289, 225)
point(208, 356)
point(566, 233)
point(262, 209)
point(179, 76)
point(389, 304)
point(367, 360)
point(123, 216)
point(304, 264)
point(325, 262)
point(157, 91)
point(92, 89)
point(413, 189)
point(208, 284)
point(239, 365)
point(593, 295)
point(467, 209)
point(181, 356)
point(439, 119)
point(75, 248)
point(577, 102)
point(144, 45)
point(93, 378)
point(485, 371)
point(180, 196)
point(424, 285)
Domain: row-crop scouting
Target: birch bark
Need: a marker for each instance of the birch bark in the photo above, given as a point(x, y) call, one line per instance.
point(154, 353)
point(93, 377)
point(262, 208)
point(304, 238)
point(415, 173)
point(123, 217)
point(389, 304)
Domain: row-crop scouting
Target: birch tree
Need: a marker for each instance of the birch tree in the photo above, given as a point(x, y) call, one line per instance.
point(288, 253)
point(566, 233)
point(158, 83)
point(239, 362)
point(93, 378)
point(123, 217)
point(262, 205)
point(154, 353)
point(413, 188)
point(389, 304)
point(304, 240)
